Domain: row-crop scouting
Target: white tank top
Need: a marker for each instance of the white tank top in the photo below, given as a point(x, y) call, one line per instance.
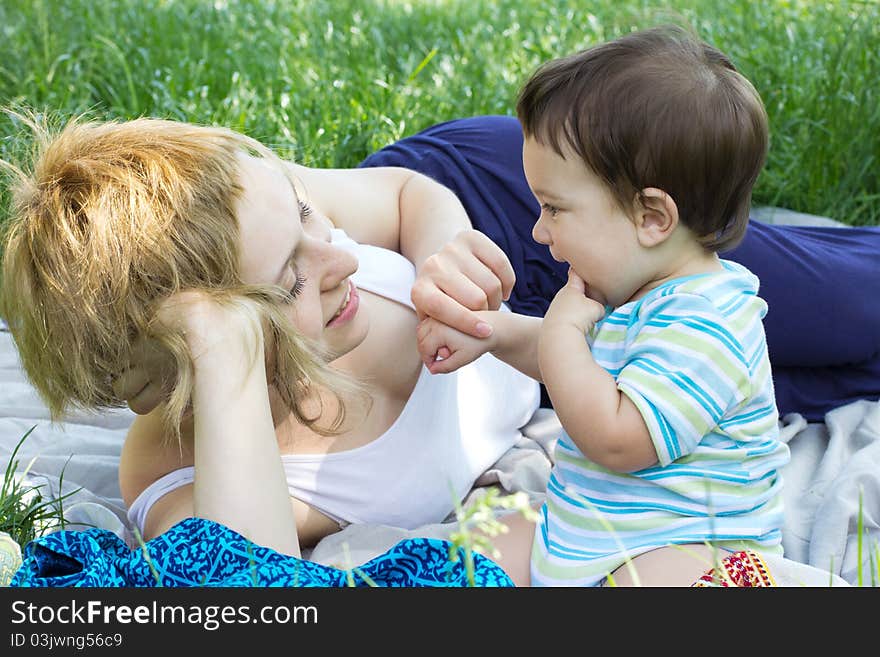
point(451, 430)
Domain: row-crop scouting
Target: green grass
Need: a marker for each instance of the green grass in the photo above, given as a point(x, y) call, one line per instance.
point(329, 82)
point(26, 510)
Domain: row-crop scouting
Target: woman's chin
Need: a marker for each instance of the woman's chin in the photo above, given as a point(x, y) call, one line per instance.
point(346, 339)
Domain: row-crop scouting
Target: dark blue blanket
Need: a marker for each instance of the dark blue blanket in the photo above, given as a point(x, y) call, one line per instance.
point(198, 552)
point(820, 283)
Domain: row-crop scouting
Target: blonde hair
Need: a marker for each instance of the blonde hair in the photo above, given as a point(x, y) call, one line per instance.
point(112, 218)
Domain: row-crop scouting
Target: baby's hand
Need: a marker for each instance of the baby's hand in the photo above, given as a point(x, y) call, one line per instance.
point(572, 306)
point(444, 349)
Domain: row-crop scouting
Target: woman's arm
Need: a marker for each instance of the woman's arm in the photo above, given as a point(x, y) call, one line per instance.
point(459, 270)
point(391, 207)
point(237, 463)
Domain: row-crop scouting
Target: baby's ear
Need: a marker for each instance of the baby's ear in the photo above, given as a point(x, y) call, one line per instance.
point(656, 216)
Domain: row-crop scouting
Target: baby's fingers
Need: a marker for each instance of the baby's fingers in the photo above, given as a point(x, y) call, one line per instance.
point(576, 281)
point(449, 363)
point(432, 301)
point(430, 341)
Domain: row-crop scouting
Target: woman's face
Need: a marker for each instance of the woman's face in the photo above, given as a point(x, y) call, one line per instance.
point(285, 242)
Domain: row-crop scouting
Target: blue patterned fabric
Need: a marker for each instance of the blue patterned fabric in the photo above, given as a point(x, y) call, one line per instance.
point(199, 552)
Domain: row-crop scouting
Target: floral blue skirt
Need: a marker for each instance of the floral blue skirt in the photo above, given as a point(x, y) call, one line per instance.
point(199, 552)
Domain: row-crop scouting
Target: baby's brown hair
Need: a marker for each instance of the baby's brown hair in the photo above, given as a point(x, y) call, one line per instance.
point(657, 108)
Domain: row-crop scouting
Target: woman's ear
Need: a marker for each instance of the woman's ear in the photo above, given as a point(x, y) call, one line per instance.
point(656, 216)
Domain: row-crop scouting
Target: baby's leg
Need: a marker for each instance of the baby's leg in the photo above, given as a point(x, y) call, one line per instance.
point(515, 547)
point(674, 565)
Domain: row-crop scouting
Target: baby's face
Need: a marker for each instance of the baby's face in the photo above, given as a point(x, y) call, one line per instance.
point(582, 223)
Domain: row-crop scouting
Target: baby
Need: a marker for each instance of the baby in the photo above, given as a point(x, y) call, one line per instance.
point(643, 152)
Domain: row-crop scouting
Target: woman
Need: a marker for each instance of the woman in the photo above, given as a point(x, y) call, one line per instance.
point(132, 247)
point(391, 456)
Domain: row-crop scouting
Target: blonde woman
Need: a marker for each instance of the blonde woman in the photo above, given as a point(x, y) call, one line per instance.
point(190, 273)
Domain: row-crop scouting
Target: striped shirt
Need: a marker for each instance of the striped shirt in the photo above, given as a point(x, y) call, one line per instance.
point(692, 356)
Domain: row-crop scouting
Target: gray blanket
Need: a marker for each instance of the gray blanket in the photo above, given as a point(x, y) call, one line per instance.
point(834, 465)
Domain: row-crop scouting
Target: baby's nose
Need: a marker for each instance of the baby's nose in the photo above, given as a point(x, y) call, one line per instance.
point(539, 233)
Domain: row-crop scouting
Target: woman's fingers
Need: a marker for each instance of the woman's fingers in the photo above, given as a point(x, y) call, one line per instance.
point(495, 260)
point(485, 264)
point(130, 383)
point(474, 285)
point(432, 301)
point(139, 390)
point(145, 383)
point(147, 399)
point(470, 273)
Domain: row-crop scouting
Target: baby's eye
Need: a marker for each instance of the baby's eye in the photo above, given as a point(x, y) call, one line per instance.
point(550, 209)
point(305, 211)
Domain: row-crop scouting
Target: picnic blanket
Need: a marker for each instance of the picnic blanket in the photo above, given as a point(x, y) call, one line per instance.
point(834, 465)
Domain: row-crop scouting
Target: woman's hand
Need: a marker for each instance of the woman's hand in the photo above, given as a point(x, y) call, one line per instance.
point(203, 322)
point(149, 377)
point(470, 273)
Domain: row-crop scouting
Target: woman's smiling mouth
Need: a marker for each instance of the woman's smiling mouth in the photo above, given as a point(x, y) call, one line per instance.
point(348, 309)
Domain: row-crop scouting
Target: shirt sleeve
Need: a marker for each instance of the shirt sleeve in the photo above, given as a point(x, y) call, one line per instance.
point(684, 371)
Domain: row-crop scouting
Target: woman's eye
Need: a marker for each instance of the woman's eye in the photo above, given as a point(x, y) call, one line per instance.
point(305, 210)
point(550, 209)
point(297, 288)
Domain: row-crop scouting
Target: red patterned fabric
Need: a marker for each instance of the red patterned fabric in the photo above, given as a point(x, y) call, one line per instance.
point(740, 569)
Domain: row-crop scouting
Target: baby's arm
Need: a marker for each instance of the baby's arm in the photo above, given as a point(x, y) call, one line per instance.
point(604, 423)
point(514, 340)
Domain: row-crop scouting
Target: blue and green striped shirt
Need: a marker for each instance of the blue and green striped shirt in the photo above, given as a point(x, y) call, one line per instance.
point(692, 356)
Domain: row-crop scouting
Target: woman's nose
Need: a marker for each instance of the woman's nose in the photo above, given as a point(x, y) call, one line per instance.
point(332, 264)
point(319, 227)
